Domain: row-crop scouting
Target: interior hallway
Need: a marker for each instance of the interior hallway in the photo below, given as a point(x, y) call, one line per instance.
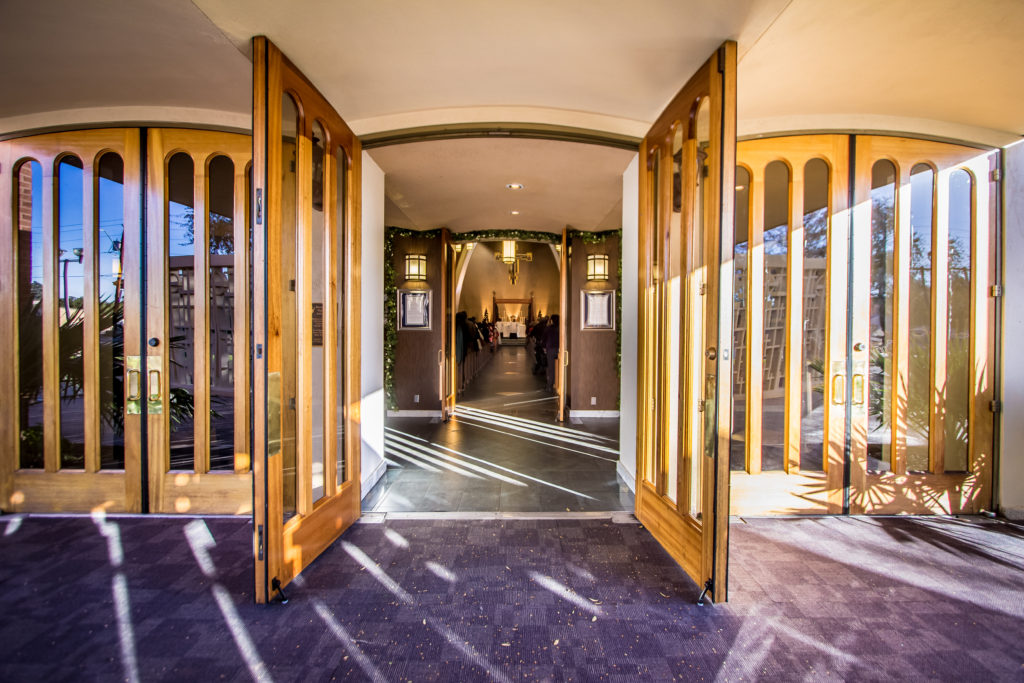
point(502, 452)
point(834, 598)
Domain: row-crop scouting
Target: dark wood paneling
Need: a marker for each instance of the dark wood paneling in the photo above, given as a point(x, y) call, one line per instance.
point(592, 370)
point(416, 353)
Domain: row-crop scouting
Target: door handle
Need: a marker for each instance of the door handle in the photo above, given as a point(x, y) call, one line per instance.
point(133, 372)
point(154, 395)
point(858, 390)
point(838, 389)
point(565, 359)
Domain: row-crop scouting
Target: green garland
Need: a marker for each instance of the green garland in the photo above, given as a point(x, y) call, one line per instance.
point(518, 235)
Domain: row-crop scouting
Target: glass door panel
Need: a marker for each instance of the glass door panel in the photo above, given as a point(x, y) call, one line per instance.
point(921, 332)
point(195, 370)
point(71, 231)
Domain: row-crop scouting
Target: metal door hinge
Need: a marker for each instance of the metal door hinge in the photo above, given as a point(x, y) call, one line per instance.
point(996, 175)
point(996, 406)
point(995, 290)
point(703, 289)
point(700, 406)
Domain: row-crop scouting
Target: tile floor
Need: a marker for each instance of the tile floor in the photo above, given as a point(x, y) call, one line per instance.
point(502, 452)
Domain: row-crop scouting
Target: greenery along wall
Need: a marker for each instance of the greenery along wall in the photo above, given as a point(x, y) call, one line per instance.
point(391, 283)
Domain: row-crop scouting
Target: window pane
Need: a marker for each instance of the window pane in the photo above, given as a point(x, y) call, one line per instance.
point(70, 314)
point(881, 323)
point(741, 230)
point(958, 342)
point(340, 235)
point(704, 423)
point(181, 293)
point(674, 357)
point(776, 249)
point(30, 312)
point(110, 188)
point(318, 288)
point(221, 190)
point(286, 285)
point(919, 366)
point(814, 316)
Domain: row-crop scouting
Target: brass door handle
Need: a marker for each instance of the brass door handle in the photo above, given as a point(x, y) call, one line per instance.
point(858, 390)
point(838, 390)
point(154, 385)
point(134, 384)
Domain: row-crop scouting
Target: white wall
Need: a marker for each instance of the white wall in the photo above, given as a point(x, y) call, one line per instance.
point(630, 307)
point(1010, 484)
point(372, 302)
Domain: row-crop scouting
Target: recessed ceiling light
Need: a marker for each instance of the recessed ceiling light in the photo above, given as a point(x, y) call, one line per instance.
point(514, 186)
point(514, 212)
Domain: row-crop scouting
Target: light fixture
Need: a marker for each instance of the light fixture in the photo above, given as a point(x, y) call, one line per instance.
point(510, 258)
point(415, 267)
point(515, 186)
point(597, 267)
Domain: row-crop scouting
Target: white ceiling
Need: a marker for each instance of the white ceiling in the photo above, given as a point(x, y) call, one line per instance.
point(943, 67)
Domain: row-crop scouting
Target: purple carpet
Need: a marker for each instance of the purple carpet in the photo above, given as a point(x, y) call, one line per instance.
point(567, 600)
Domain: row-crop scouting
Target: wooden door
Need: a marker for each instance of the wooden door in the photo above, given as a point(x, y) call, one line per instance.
point(306, 184)
point(447, 363)
point(686, 199)
point(922, 327)
point(790, 253)
point(196, 369)
point(70, 439)
point(562, 367)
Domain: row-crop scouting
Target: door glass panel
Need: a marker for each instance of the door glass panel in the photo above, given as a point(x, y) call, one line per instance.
point(703, 424)
point(221, 178)
point(70, 313)
point(673, 310)
point(110, 188)
point(286, 247)
point(340, 237)
point(881, 322)
point(815, 279)
point(958, 346)
point(741, 232)
point(919, 365)
point(30, 312)
point(652, 324)
point(181, 292)
point(316, 274)
point(776, 248)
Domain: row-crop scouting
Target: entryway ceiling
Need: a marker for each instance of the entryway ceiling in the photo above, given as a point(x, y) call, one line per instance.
point(944, 68)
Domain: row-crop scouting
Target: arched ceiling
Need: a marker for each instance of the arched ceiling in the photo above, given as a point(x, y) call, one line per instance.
point(944, 68)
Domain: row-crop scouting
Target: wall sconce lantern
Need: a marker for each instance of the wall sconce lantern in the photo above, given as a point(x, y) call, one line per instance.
point(597, 267)
point(415, 267)
point(511, 258)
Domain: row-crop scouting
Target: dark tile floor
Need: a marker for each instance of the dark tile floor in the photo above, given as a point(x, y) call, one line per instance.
point(822, 599)
point(502, 452)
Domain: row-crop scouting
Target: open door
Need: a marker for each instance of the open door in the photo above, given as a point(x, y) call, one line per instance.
point(561, 372)
point(306, 189)
point(447, 362)
point(686, 201)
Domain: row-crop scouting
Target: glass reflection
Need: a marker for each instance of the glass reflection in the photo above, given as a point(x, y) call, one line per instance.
point(776, 249)
point(881, 323)
point(958, 340)
point(221, 191)
point(71, 311)
point(181, 300)
point(919, 366)
point(741, 230)
point(286, 249)
point(110, 195)
point(29, 216)
point(815, 314)
point(318, 289)
point(341, 241)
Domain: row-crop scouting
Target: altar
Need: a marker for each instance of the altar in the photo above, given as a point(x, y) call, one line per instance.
point(508, 328)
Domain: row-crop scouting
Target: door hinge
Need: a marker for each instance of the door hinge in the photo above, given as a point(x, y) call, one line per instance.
point(291, 285)
point(996, 406)
point(291, 403)
point(995, 290)
point(703, 289)
point(259, 542)
point(996, 175)
point(700, 406)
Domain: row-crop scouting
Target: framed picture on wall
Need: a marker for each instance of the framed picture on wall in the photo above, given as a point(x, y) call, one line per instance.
point(598, 310)
point(414, 309)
